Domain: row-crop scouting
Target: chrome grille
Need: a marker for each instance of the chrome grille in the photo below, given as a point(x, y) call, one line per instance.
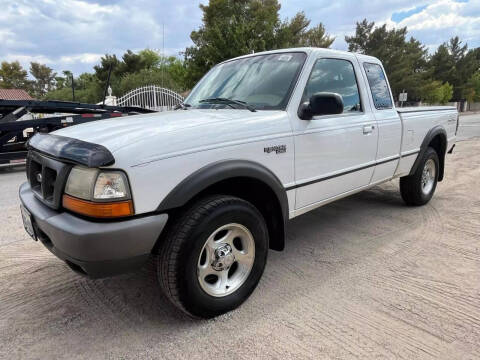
point(47, 178)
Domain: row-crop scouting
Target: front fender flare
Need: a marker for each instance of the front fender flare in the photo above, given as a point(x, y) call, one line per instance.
point(219, 171)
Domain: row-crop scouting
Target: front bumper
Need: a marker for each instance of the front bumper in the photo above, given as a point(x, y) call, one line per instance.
point(95, 249)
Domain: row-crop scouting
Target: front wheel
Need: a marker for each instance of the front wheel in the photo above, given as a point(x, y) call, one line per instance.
point(213, 256)
point(417, 189)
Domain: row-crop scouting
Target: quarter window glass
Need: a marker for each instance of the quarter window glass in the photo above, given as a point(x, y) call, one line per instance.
point(337, 76)
point(378, 86)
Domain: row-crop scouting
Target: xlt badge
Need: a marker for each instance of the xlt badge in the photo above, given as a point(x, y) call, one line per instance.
point(279, 149)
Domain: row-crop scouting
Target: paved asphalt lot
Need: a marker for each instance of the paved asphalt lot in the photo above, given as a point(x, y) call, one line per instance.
point(365, 277)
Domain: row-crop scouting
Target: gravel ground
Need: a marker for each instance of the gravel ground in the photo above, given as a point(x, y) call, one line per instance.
point(365, 277)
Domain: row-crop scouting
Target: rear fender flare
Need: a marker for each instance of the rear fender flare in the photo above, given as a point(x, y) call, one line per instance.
point(437, 130)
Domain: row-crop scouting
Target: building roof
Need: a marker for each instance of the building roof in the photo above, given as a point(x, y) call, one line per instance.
point(14, 94)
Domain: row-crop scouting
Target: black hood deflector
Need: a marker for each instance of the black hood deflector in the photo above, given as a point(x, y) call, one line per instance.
point(72, 150)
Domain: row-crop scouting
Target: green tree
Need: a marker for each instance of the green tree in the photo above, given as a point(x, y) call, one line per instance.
point(467, 67)
point(437, 93)
point(454, 63)
point(143, 78)
point(405, 61)
point(237, 27)
point(447, 92)
point(131, 63)
point(169, 72)
point(132, 71)
point(150, 58)
point(68, 77)
point(86, 86)
point(102, 69)
point(443, 64)
point(316, 37)
point(44, 79)
point(60, 82)
point(13, 75)
point(296, 32)
point(472, 92)
point(176, 70)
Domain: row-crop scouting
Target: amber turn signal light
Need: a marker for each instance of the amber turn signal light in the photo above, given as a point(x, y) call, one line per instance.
point(98, 209)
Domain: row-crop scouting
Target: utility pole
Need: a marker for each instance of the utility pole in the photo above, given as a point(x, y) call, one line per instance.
point(163, 55)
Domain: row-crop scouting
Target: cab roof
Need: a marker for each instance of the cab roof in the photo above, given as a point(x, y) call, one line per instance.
point(312, 50)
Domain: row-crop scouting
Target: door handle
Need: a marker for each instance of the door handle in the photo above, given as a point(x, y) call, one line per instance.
point(368, 129)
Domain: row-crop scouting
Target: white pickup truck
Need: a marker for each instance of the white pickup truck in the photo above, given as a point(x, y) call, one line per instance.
point(210, 187)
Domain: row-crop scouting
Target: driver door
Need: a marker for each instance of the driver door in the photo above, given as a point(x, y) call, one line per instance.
point(334, 154)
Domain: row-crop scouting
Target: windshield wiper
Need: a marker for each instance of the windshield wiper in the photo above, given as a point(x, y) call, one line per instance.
point(183, 106)
point(229, 102)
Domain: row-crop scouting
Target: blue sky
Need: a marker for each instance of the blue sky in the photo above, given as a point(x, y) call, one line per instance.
point(74, 34)
point(402, 15)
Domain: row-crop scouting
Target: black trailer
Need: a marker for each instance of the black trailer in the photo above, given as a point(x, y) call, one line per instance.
point(14, 133)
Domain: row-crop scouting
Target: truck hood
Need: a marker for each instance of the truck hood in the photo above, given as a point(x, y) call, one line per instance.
point(150, 136)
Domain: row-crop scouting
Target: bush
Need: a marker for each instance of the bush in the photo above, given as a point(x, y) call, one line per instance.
point(437, 93)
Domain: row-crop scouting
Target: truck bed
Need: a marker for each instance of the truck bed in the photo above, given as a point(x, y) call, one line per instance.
point(416, 123)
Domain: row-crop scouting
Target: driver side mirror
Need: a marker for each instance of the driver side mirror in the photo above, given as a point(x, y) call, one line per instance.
point(323, 103)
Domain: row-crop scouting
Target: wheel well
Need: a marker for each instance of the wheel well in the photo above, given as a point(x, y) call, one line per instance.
point(257, 193)
point(262, 197)
point(439, 144)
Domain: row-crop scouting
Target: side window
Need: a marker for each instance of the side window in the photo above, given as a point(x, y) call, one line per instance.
point(337, 76)
point(378, 86)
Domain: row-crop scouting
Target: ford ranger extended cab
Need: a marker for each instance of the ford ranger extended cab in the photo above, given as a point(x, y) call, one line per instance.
point(210, 187)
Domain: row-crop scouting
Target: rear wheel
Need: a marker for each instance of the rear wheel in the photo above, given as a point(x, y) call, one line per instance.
point(213, 256)
point(418, 189)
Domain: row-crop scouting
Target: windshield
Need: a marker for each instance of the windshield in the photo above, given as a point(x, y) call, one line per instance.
point(264, 82)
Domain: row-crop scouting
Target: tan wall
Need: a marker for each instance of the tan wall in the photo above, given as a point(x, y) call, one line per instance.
point(474, 106)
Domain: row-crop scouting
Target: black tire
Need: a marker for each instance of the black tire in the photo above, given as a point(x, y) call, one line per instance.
point(411, 186)
point(180, 250)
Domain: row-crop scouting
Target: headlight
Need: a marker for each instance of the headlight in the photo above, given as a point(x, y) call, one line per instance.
point(98, 193)
point(80, 182)
point(111, 185)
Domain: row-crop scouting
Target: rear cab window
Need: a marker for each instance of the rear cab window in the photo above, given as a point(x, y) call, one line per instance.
point(378, 86)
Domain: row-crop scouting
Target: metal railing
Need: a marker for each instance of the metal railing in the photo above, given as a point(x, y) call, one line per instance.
point(151, 97)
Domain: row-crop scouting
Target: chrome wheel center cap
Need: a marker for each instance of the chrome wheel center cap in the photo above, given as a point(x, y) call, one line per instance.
point(224, 258)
